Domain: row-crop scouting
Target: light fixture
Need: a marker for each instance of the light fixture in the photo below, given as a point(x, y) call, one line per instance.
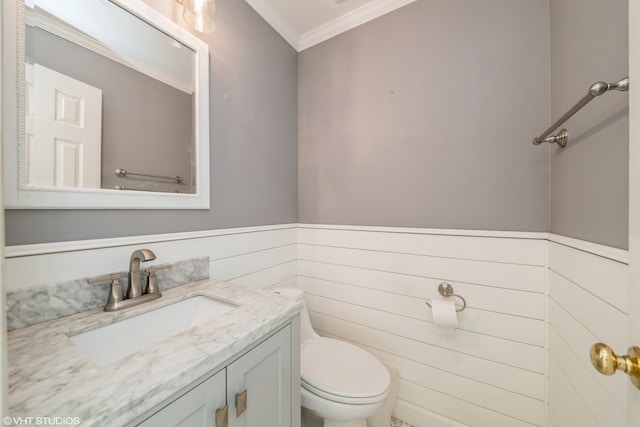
point(199, 14)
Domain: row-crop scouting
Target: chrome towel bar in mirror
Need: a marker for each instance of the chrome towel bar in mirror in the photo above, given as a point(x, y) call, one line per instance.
point(122, 173)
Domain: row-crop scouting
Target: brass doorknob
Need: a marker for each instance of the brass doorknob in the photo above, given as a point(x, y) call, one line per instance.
point(607, 362)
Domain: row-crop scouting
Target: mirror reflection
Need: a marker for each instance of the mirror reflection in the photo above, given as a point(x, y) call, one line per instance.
point(109, 101)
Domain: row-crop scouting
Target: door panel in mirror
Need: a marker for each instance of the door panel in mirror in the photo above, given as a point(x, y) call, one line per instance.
point(63, 127)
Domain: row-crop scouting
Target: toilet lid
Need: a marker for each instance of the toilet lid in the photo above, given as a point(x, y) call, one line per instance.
point(342, 372)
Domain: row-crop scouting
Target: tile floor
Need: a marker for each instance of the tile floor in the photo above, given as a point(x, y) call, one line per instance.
point(312, 421)
point(399, 423)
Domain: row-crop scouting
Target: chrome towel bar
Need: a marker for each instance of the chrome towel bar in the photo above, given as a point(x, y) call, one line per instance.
point(125, 188)
point(122, 173)
point(446, 290)
point(596, 89)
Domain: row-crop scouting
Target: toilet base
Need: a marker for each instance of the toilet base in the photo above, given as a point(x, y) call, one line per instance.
point(310, 419)
point(357, 423)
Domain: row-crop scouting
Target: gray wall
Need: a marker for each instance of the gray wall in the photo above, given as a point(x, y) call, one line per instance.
point(146, 124)
point(253, 145)
point(424, 118)
point(590, 177)
point(421, 118)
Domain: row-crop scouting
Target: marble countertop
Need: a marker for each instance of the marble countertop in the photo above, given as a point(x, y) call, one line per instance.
point(50, 377)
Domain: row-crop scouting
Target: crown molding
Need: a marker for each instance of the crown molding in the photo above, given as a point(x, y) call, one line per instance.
point(357, 17)
point(50, 25)
point(36, 18)
point(276, 21)
point(331, 29)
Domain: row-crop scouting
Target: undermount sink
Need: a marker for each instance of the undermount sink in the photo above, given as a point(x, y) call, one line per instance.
point(115, 341)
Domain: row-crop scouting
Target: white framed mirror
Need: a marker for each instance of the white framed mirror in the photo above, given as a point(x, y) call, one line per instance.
point(110, 101)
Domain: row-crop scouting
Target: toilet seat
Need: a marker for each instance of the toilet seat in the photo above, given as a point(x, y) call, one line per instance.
point(342, 372)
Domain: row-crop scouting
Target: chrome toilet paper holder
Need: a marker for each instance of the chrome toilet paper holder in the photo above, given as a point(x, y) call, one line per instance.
point(446, 290)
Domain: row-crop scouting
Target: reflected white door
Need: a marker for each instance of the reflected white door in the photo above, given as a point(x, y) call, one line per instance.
point(64, 127)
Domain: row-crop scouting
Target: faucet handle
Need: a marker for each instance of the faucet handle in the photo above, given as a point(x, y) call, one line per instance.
point(116, 294)
point(112, 277)
point(152, 279)
point(151, 270)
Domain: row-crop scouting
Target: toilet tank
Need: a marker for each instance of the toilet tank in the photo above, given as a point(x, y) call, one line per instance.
point(306, 329)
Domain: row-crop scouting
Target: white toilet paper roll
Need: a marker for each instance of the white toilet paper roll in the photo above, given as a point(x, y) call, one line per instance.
point(445, 317)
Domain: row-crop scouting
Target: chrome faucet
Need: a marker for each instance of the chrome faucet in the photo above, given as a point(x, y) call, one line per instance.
point(135, 293)
point(135, 276)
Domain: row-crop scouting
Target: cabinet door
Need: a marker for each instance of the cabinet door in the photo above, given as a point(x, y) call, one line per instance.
point(186, 411)
point(262, 379)
point(195, 408)
point(216, 398)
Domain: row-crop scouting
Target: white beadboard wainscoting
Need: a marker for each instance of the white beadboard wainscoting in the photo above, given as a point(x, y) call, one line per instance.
point(587, 304)
point(370, 287)
point(520, 357)
point(536, 303)
point(258, 257)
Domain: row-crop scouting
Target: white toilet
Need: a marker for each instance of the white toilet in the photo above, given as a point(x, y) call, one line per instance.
point(341, 383)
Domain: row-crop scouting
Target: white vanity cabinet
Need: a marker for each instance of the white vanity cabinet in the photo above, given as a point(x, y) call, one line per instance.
point(195, 408)
point(256, 390)
point(262, 379)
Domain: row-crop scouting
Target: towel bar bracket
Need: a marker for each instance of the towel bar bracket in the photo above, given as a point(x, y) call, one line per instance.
point(561, 139)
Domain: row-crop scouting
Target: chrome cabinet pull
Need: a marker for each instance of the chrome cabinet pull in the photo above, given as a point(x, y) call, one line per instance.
point(241, 402)
point(222, 416)
point(607, 362)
